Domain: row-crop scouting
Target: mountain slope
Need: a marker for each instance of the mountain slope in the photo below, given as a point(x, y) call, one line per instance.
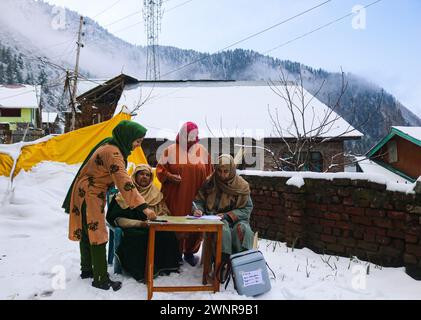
point(32, 29)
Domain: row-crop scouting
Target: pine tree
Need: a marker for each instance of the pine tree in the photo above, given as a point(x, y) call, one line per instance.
point(42, 77)
point(18, 76)
point(29, 78)
point(2, 80)
point(10, 79)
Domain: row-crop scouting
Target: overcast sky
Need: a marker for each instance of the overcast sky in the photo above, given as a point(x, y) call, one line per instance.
point(386, 49)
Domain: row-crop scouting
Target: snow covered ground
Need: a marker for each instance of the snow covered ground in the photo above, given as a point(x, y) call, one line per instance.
point(35, 253)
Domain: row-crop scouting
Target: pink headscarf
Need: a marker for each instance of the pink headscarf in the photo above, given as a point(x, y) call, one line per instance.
point(185, 132)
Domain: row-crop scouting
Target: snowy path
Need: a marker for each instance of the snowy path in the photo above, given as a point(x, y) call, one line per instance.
point(34, 251)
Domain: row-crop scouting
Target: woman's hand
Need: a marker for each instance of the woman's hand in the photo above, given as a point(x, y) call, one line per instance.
point(198, 213)
point(175, 178)
point(150, 214)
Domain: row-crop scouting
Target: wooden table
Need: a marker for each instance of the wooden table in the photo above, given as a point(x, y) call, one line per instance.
point(182, 224)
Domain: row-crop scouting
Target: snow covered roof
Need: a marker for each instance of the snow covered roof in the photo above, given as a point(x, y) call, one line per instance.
point(87, 85)
point(369, 166)
point(225, 109)
point(49, 117)
point(22, 96)
point(414, 132)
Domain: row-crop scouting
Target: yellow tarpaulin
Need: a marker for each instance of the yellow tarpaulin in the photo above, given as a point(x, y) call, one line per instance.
point(6, 164)
point(71, 148)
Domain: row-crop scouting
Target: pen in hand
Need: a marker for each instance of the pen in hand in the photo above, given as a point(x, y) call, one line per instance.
point(197, 212)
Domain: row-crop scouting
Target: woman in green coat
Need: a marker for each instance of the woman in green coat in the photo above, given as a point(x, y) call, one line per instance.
point(227, 195)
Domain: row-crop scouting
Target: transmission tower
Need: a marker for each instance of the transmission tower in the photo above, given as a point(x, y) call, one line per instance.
point(152, 14)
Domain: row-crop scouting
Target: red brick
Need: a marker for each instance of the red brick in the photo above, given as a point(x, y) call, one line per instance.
point(343, 225)
point(266, 206)
point(396, 234)
point(327, 238)
point(313, 220)
point(278, 208)
point(361, 220)
point(274, 200)
point(398, 224)
point(327, 230)
point(409, 259)
point(327, 223)
point(409, 238)
point(347, 242)
point(311, 205)
point(337, 232)
point(398, 244)
point(275, 194)
point(354, 211)
point(376, 231)
point(335, 208)
point(369, 237)
point(332, 216)
point(414, 230)
point(336, 248)
point(296, 220)
point(382, 240)
point(259, 199)
point(367, 246)
point(293, 197)
point(413, 249)
point(348, 201)
point(374, 213)
point(358, 234)
point(346, 233)
point(382, 223)
point(396, 215)
point(390, 252)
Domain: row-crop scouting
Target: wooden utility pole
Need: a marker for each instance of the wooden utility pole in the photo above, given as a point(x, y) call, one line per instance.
point(75, 76)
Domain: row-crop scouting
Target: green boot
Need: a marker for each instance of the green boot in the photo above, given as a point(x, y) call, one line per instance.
point(99, 263)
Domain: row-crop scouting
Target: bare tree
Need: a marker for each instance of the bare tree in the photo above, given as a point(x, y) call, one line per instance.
point(303, 128)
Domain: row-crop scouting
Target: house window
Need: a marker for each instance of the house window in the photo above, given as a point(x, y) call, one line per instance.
point(313, 161)
point(316, 162)
point(392, 151)
point(10, 112)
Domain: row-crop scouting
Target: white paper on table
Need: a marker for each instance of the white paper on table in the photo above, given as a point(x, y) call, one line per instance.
point(205, 217)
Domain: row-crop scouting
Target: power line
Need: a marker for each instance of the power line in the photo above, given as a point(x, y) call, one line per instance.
point(137, 23)
point(250, 36)
point(318, 28)
point(177, 6)
point(108, 8)
point(124, 18)
point(131, 26)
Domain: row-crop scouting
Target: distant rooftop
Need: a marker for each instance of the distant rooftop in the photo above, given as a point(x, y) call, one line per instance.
point(22, 96)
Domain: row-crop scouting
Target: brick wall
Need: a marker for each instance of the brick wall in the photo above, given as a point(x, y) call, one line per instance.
point(342, 217)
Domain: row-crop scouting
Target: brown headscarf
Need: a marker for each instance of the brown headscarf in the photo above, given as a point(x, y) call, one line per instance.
point(234, 187)
point(151, 194)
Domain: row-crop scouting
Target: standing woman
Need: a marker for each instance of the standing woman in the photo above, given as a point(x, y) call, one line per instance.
point(182, 169)
point(104, 167)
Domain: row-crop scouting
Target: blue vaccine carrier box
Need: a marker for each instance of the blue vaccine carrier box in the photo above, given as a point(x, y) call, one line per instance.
point(250, 273)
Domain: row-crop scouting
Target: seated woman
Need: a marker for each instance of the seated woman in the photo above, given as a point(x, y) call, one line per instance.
point(227, 195)
point(133, 247)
